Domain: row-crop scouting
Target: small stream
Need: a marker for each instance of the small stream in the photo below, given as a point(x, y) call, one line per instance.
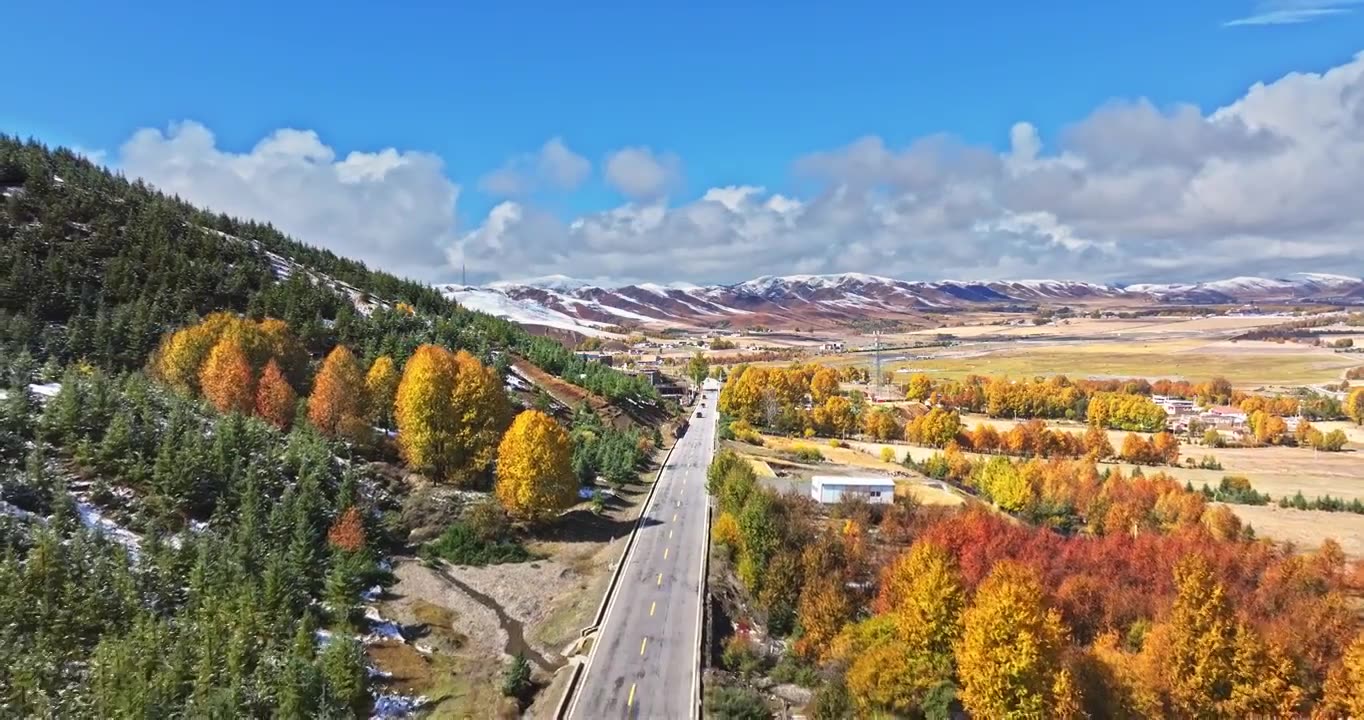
point(516, 637)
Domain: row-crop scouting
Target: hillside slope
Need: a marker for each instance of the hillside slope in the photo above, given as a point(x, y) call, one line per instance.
point(97, 268)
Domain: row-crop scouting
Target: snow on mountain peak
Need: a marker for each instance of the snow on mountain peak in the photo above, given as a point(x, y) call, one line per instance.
point(558, 283)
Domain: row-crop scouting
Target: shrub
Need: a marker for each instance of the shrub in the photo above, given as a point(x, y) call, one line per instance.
point(807, 454)
point(734, 703)
point(888, 454)
point(516, 678)
point(741, 656)
point(790, 669)
point(461, 544)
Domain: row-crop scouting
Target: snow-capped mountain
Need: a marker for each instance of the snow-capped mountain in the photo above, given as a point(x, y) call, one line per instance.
point(804, 300)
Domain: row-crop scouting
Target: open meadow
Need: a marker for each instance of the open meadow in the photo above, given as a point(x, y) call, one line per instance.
point(1246, 364)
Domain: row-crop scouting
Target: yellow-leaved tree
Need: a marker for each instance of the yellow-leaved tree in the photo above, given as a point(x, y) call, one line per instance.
point(823, 385)
point(422, 410)
point(336, 405)
point(1344, 695)
point(275, 398)
point(450, 411)
point(1010, 650)
point(482, 411)
point(1354, 406)
point(900, 655)
point(534, 468)
point(1212, 664)
point(381, 390)
point(226, 378)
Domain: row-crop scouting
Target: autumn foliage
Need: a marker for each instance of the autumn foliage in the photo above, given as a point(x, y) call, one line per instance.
point(348, 532)
point(337, 403)
point(226, 378)
point(534, 476)
point(381, 390)
point(1151, 602)
point(275, 399)
point(182, 354)
point(450, 411)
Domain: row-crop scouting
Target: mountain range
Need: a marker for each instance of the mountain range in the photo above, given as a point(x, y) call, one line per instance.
point(563, 303)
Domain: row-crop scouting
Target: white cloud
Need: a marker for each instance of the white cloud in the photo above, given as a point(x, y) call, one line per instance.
point(1263, 185)
point(1293, 12)
point(553, 165)
point(640, 173)
point(391, 209)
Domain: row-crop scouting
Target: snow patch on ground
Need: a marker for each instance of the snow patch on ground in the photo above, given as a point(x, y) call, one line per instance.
point(95, 520)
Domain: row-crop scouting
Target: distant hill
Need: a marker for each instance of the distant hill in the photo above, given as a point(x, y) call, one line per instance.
point(800, 300)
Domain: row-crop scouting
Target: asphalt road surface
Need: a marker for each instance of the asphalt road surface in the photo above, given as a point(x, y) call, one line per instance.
point(644, 661)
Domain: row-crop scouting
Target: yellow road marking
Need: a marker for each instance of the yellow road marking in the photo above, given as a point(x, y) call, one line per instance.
point(631, 701)
point(674, 517)
point(652, 605)
point(643, 644)
point(660, 579)
point(665, 553)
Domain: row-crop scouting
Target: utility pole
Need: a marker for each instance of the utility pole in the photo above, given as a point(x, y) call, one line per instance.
point(876, 366)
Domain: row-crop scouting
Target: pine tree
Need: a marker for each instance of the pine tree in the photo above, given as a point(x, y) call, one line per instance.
point(342, 665)
point(534, 475)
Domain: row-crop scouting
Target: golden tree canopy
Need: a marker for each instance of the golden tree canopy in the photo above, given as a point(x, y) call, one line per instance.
point(534, 468)
point(1010, 650)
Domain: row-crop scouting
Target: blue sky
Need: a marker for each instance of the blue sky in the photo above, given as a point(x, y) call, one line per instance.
point(736, 94)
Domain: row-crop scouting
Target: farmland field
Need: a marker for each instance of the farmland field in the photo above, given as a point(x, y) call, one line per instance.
point(1306, 529)
point(1245, 364)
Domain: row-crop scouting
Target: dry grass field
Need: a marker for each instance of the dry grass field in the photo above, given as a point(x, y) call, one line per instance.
point(1306, 529)
point(1244, 364)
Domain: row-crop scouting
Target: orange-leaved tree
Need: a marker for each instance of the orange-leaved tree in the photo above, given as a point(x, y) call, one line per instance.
point(275, 398)
point(1010, 650)
point(348, 532)
point(337, 400)
point(226, 378)
point(535, 477)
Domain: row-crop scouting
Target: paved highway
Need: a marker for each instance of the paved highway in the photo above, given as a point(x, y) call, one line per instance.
point(645, 657)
